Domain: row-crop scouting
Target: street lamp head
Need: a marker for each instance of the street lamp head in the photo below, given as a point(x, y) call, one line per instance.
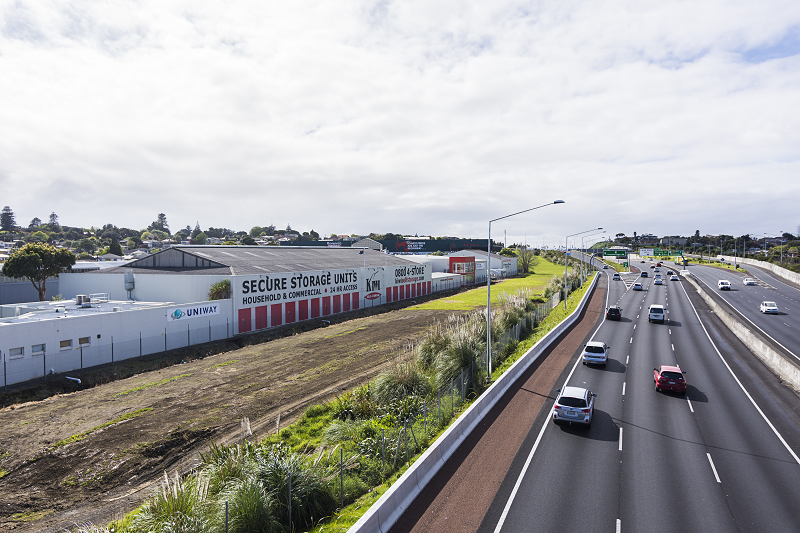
point(559, 202)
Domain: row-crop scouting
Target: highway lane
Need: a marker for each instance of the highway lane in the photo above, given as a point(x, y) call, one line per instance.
point(712, 461)
point(783, 328)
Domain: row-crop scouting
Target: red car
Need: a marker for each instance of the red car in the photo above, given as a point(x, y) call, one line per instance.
point(669, 378)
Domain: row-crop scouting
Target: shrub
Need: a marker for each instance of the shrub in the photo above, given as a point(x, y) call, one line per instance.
point(401, 380)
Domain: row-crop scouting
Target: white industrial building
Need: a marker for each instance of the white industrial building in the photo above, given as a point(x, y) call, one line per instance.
point(160, 302)
point(270, 286)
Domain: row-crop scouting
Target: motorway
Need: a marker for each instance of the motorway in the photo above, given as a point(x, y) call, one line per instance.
point(722, 458)
point(783, 328)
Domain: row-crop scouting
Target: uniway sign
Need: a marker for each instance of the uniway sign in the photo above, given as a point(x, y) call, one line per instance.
point(192, 311)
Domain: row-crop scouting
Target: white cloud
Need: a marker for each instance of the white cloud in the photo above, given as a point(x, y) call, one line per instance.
point(418, 117)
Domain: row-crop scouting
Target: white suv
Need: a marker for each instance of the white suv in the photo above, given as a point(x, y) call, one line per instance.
point(724, 285)
point(656, 313)
point(574, 404)
point(595, 353)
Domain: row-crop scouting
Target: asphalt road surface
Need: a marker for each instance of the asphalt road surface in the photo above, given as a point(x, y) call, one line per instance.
point(783, 328)
point(724, 457)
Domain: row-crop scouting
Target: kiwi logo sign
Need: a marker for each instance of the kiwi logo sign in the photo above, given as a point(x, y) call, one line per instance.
point(193, 311)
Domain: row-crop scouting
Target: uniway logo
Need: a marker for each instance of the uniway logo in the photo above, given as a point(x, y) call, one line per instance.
point(193, 311)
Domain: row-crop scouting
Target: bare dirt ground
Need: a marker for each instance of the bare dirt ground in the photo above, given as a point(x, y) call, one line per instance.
point(113, 468)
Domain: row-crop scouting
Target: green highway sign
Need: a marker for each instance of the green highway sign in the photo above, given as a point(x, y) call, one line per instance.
point(614, 253)
point(659, 251)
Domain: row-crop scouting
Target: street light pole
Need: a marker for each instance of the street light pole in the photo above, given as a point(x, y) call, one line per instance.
point(566, 260)
point(583, 254)
point(489, 286)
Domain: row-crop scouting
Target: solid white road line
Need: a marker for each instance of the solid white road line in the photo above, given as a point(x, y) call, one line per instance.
point(713, 468)
point(752, 401)
point(690, 405)
point(620, 438)
point(623, 388)
point(546, 422)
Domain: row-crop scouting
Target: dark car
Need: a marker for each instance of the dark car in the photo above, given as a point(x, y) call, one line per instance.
point(614, 312)
point(644, 273)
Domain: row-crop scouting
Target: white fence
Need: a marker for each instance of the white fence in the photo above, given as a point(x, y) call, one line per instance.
point(37, 348)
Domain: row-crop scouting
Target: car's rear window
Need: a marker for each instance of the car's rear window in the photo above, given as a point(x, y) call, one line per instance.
point(595, 349)
point(572, 402)
point(672, 375)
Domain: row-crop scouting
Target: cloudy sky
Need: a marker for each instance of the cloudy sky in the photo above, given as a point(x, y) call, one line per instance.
point(421, 116)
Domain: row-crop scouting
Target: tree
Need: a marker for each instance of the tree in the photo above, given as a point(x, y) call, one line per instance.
point(35, 223)
point(38, 261)
point(115, 248)
point(160, 224)
point(39, 236)
point(220, 290)
point(526, 260)
point(54, 220)
point(88, 245)
point(314, 235)
point(196, 231)
point(255, 231)
point(249, 241)
point(7, 222)
point(200, 238)
point(134, 242)
point(507, 252)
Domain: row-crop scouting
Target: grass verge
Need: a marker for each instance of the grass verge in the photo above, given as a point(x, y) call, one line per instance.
point(469, 300)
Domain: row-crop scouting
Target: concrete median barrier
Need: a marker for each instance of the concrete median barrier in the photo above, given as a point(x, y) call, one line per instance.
point(777, 362)
point(394, 502)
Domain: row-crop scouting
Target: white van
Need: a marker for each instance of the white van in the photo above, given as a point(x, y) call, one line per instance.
point(656, 313)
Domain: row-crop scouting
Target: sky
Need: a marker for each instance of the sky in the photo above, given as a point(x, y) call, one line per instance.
point(426, 117)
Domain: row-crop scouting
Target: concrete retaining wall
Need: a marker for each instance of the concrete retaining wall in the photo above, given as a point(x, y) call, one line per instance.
point(785, 368)
point(394, 502)
point(784, 273)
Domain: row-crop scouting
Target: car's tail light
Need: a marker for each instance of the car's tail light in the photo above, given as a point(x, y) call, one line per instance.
point(584, 410)
point(556, 406)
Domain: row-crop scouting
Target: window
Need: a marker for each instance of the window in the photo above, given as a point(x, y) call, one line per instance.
point(66, 345)
point(37, 349)
point(16, 353)
point(84, 341)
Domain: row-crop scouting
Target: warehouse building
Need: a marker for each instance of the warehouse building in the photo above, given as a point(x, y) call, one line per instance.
point(270, 286)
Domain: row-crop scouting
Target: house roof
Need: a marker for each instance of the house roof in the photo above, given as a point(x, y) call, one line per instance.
point(244, 260)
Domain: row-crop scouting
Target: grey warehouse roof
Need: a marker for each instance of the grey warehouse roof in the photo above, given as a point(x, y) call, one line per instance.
point(244, 260)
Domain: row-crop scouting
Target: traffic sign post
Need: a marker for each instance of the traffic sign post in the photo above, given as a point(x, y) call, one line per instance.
point(659, 252)
point(614, 253)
